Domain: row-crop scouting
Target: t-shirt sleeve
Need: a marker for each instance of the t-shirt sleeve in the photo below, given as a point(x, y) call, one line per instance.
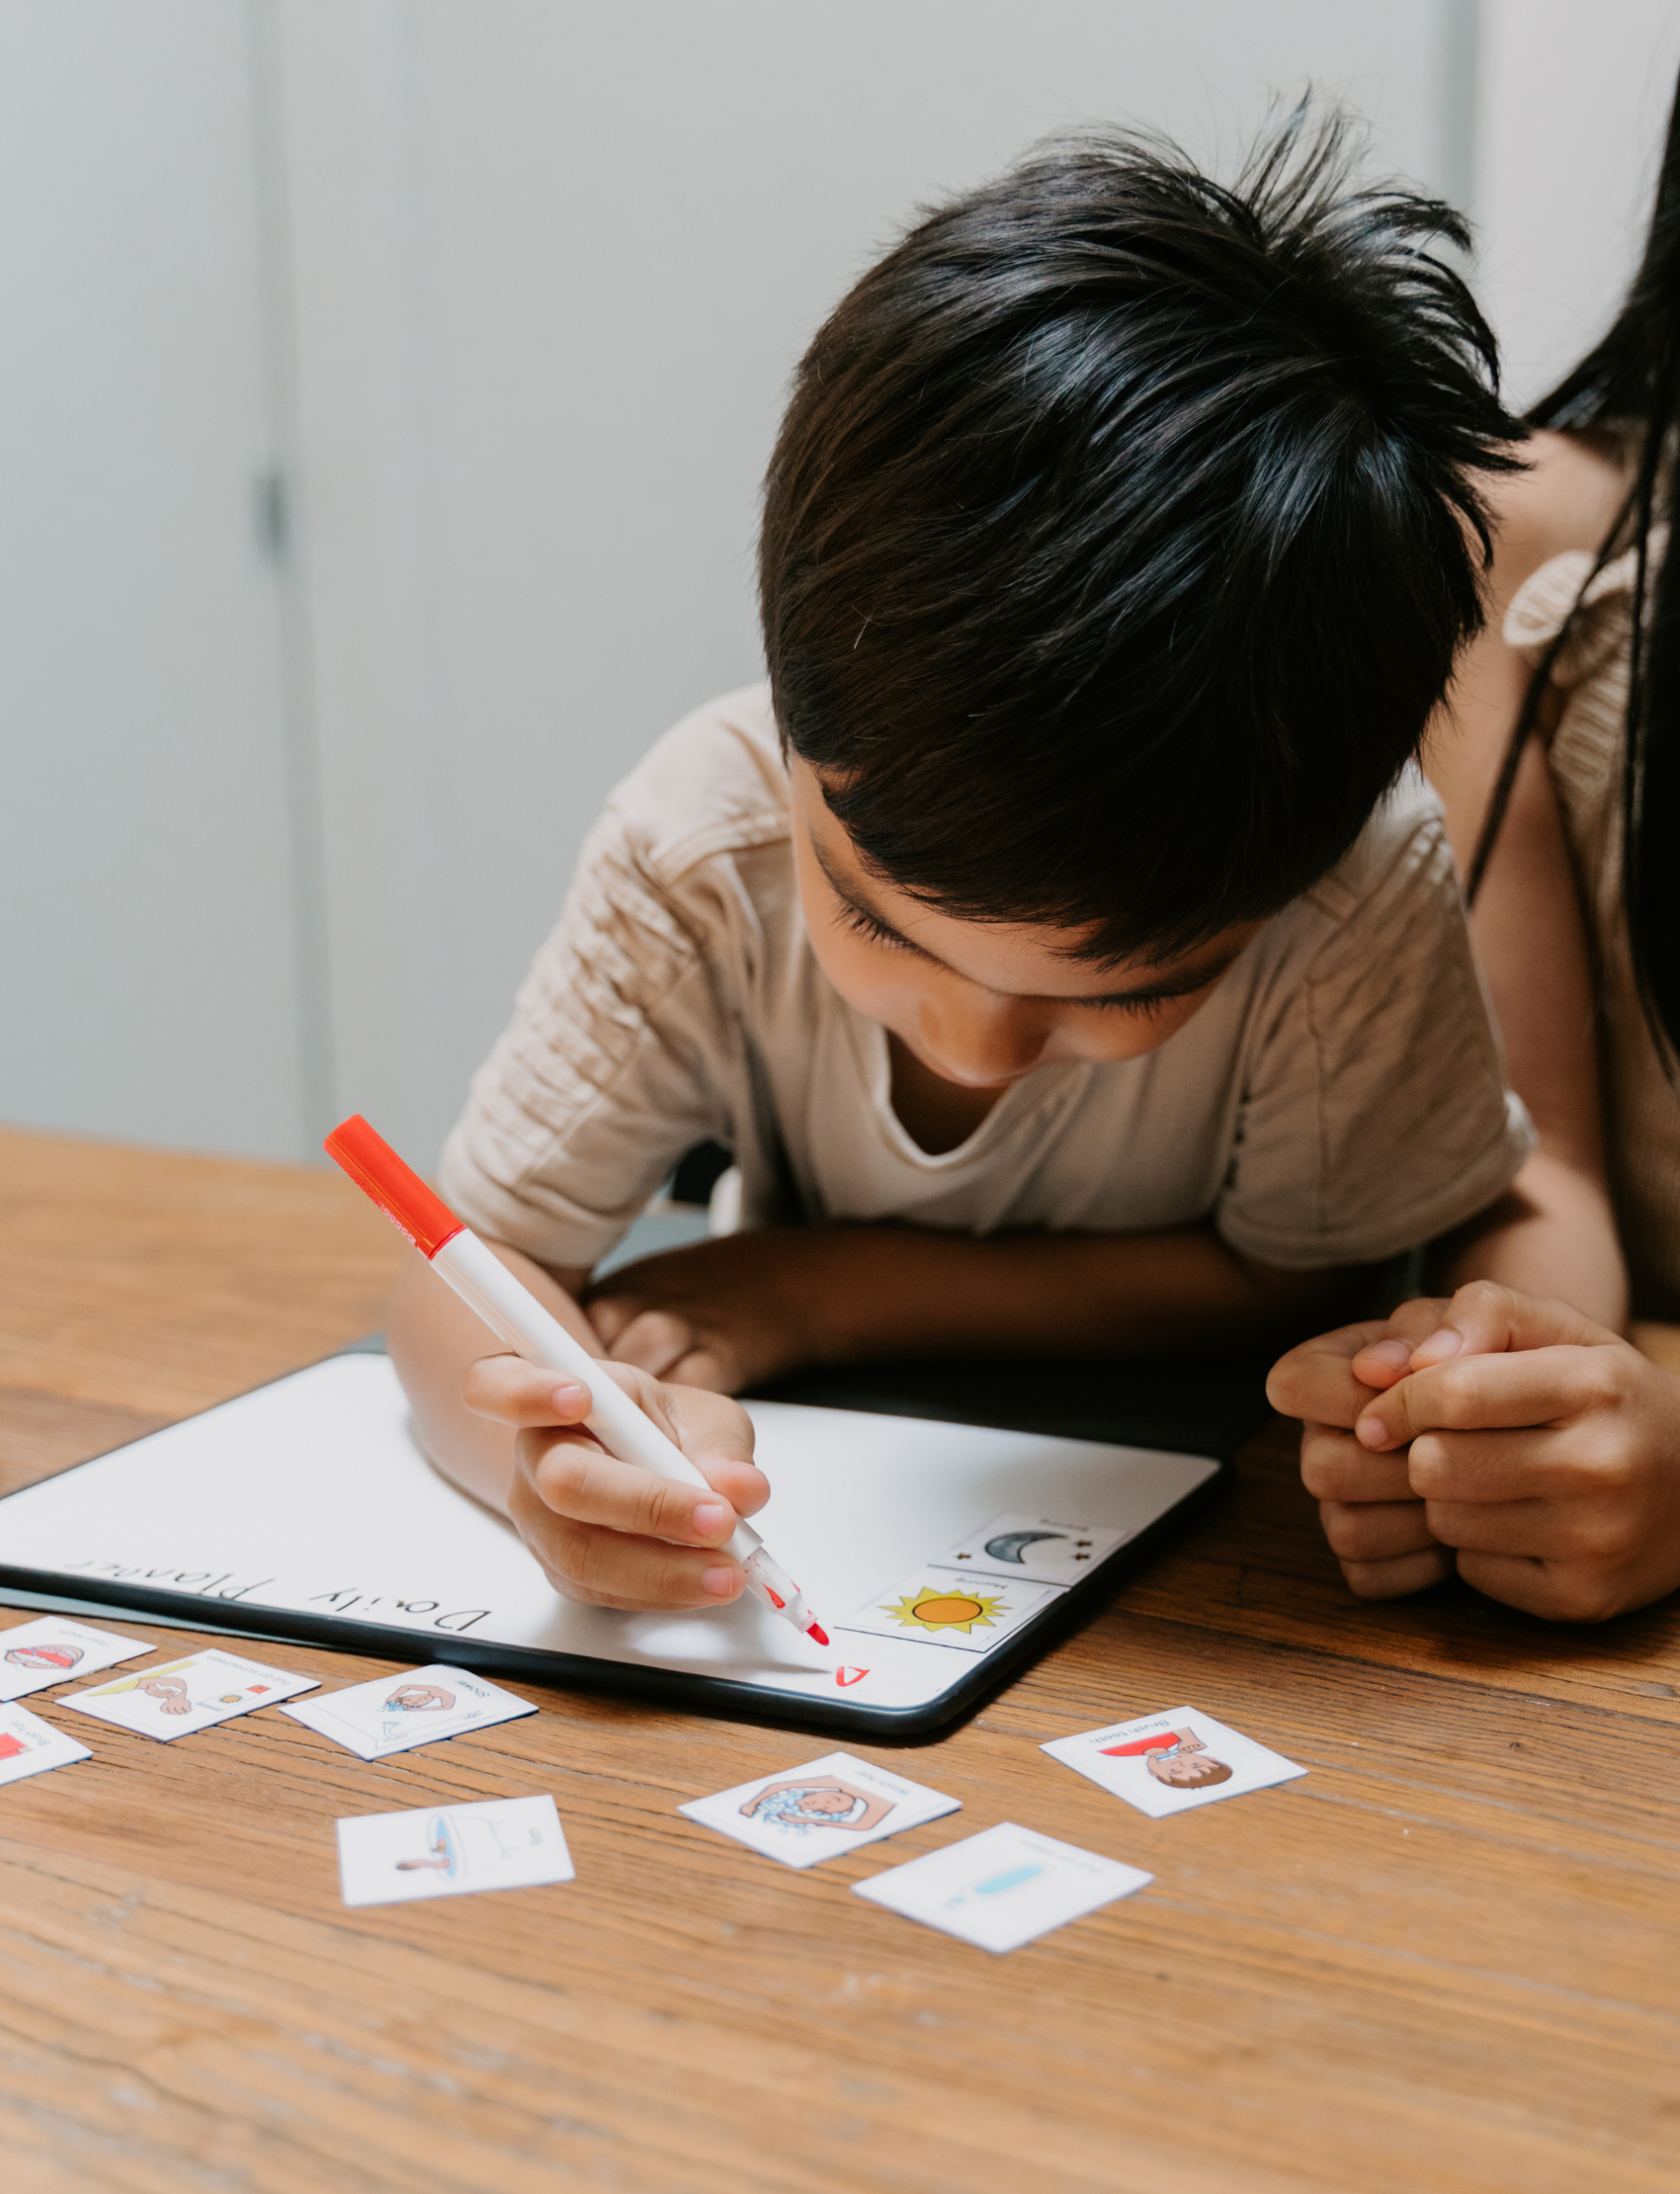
point(610, 1067)
point(1374, 1114)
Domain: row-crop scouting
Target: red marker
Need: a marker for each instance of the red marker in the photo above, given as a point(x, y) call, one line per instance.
point(484, 1283)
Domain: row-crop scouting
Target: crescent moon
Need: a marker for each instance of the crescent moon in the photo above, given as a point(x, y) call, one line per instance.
point(1008, 1544)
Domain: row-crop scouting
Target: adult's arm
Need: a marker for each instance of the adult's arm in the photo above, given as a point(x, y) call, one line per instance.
point(1555, 1233)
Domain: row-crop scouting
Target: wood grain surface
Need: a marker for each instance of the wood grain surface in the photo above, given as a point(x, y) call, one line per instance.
point(1444, 1961)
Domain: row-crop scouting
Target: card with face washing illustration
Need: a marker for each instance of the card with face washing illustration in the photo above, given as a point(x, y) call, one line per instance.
point(180, 1697)
point(1168, 1763)
point(51, 1649)
point(1003, 1888)
point(394, 1713)
point(816, 1811)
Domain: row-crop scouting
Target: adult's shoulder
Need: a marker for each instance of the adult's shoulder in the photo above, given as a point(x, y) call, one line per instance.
point(1566, 497)
point(1555, 512)
point(715, 784)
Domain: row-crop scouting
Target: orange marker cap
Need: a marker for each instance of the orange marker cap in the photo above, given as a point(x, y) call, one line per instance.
point(411, 1206)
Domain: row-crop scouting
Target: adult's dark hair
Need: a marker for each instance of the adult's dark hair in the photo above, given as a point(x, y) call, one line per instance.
point(1123, 528)
point(1631, 383)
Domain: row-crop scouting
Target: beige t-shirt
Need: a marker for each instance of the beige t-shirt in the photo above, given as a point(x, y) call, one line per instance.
point(1338, 1098)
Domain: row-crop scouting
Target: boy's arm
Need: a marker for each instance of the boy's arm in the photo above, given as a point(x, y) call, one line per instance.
point(434, 1338)
point(731, 1312)
point(511, 1435)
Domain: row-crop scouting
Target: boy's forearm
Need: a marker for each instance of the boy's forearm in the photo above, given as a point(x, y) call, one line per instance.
point(1552, 1233)
point(890, 1290)
point(433, 1337)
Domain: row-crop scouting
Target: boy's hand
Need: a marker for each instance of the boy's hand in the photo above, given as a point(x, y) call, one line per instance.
point(610, 1532)
point(1545, 1449)
point(726, 1313)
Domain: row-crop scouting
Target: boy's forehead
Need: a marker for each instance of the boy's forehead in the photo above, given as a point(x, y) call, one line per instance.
point(1022, 958)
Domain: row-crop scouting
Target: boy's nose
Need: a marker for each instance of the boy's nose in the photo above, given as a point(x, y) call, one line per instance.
point(981, 1041)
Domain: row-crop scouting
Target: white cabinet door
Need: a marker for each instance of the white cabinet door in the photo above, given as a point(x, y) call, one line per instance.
point(148, 977)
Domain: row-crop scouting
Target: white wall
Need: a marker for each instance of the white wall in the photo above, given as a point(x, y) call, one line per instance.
point(147, 971)
point(554, 265)
point(511, 289)
point(1571, 102)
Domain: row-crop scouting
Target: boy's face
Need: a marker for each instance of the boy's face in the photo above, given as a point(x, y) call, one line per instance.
point(981, 1003)
point(1184, 1770)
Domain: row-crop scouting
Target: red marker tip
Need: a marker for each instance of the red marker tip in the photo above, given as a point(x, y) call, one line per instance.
point(817, 1631)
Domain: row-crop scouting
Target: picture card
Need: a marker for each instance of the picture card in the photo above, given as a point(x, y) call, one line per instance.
point(500, 1843)
point(934, 1607)
point(52, 1648)
point(1039, 1548)
point(1166, 1763)
point(805, 1814)
point(30, 1746)
point(1003, 1888)
point(394, 1713)
point(180, 1697)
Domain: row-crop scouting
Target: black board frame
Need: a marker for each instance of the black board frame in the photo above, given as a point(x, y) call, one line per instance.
point(1191, 1408)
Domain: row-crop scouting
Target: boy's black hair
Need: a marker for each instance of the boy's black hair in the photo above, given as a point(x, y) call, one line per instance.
point(1122, 530)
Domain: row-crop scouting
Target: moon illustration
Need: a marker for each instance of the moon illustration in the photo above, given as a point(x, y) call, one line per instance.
point(1008, 1544)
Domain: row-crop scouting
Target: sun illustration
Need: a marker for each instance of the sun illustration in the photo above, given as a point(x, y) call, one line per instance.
point(932, 1607)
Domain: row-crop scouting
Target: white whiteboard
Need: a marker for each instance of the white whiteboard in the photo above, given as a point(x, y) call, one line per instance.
point(309, 1498)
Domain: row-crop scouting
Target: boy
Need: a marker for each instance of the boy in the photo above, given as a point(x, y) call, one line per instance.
point(1032, 939)
point(1178, 1758)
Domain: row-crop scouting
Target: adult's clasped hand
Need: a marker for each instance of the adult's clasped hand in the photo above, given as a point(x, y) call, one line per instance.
point(1501, 1435)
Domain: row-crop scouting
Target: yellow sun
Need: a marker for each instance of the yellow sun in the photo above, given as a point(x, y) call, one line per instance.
point(932, 1607)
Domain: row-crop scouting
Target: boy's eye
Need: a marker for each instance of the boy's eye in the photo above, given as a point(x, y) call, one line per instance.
point(1143, 1009)
point(864, 924)
point(1158, 1002)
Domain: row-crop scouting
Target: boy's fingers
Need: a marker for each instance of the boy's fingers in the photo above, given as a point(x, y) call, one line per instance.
point(1393, 1580)
point(1335, 1468)
point(516, 1393)
point(1473, 1393)
point(604, 1567)
point(579, 1480)
point(1486, 1319)
point(716, 1435)
point(714, 1432)
point(1376, 1531)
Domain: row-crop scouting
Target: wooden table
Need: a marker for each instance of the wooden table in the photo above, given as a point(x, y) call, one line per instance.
point(1444, 1962)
